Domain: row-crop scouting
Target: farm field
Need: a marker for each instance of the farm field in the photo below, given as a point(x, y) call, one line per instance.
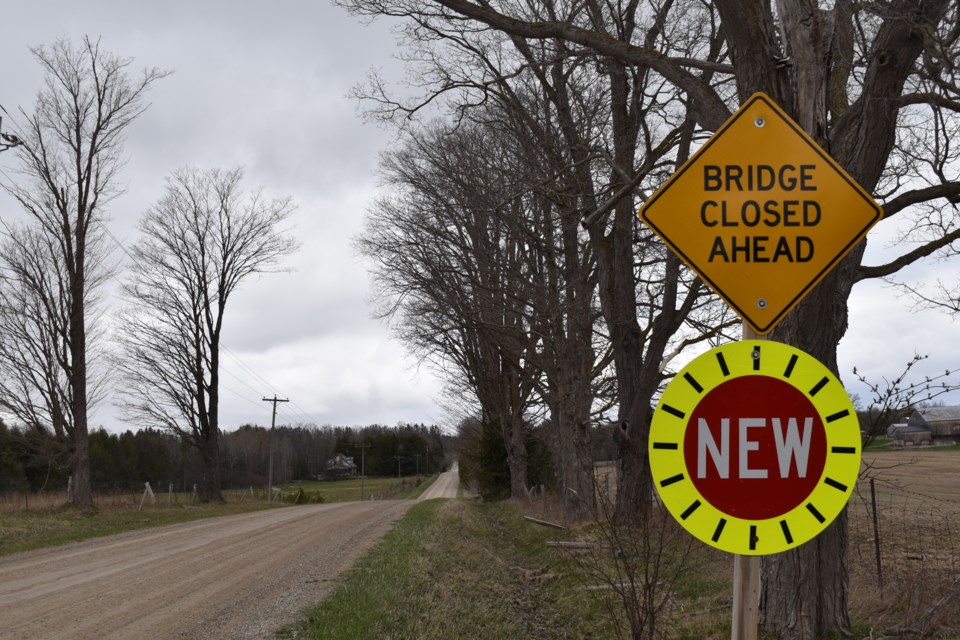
point(350, 489)
point(918, 507)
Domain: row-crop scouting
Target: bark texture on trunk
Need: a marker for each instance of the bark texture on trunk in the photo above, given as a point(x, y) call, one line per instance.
point(210, 489)
point(804, 592)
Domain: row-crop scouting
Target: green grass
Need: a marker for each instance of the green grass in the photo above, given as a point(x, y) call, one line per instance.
point(348, 490)
point(462, 569)
point(879, 444)
point(455, 569)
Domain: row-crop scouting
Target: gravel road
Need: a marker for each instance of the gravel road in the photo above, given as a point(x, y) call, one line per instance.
point(230, 578)
point(226, 578)
point(446, 485)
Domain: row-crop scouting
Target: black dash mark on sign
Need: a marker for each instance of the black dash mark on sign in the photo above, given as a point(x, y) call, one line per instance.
point(839, 414)
point(786, 532)
point(843, 450)
point(816, 514)
point(689, 510)
point(820, 385)
point(756, 358)
point(833, 483)
point(723, 367)
point(790, 365)
point(673, 411)
point(693, 382)
point(753, 537)
point(671, 480)
point(670, 446)
point(719, 529)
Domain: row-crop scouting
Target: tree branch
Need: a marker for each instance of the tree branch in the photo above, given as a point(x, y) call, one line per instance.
point(711, 110)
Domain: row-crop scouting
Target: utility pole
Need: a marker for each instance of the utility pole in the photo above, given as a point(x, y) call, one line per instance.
point(416, 457)
point(363, 472)
point(273, 422)
point(399, 458)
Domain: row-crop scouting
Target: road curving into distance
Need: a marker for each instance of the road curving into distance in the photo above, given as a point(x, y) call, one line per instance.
point(228, 578)
point(446, 486)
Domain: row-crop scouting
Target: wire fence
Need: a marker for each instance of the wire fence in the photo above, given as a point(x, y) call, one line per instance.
point(904, 555)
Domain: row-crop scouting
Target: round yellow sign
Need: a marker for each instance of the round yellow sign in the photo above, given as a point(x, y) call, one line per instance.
point(755, 447)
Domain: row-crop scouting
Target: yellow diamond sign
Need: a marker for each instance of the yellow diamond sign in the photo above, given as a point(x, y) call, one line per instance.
point(761, 213)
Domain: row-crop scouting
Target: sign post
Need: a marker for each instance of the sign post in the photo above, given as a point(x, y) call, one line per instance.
point(745, 620)
point(746, 597)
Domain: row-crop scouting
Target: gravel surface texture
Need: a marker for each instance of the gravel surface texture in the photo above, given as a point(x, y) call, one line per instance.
point(232, 578)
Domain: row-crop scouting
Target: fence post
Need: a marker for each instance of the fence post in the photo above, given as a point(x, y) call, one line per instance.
point(876, 533)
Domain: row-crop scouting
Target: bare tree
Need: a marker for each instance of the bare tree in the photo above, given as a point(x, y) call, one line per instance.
point(70, 158)
point(584, 122)
point(33, 384)
point(199, 242)
point(892, 400)
point(449, 267)
point(856, 77)
point(850, 75)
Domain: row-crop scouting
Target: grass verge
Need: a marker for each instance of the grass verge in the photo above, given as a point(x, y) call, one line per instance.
point(461, 569)
point(456, 569)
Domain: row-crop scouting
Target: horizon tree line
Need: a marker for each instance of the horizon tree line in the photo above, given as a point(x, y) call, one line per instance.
point(125, 461)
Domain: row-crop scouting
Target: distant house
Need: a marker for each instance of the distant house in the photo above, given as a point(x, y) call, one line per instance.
point(914, 431)
point(340, 466)
point(930, 425)
point(944, 423)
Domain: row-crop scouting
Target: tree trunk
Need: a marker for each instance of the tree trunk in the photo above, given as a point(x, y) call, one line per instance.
point(572, 417)
point(210, 490)
point(514, 434)
point(515, 441)
point(634, 486)
point(804, 591)
point(82, 490)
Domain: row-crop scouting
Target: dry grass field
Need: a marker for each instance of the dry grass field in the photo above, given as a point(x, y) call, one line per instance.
point(918, 520)
point(917, 588)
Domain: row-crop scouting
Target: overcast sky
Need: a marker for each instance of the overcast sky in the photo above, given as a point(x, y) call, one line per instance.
point(264, 86)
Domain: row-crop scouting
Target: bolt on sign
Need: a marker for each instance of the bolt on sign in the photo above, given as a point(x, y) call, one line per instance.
point(761, 213)
point(755, 447)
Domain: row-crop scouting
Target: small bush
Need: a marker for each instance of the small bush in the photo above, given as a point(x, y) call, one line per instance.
point(304, 497)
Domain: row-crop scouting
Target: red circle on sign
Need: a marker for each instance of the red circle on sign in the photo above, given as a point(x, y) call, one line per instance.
point(755, 447)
